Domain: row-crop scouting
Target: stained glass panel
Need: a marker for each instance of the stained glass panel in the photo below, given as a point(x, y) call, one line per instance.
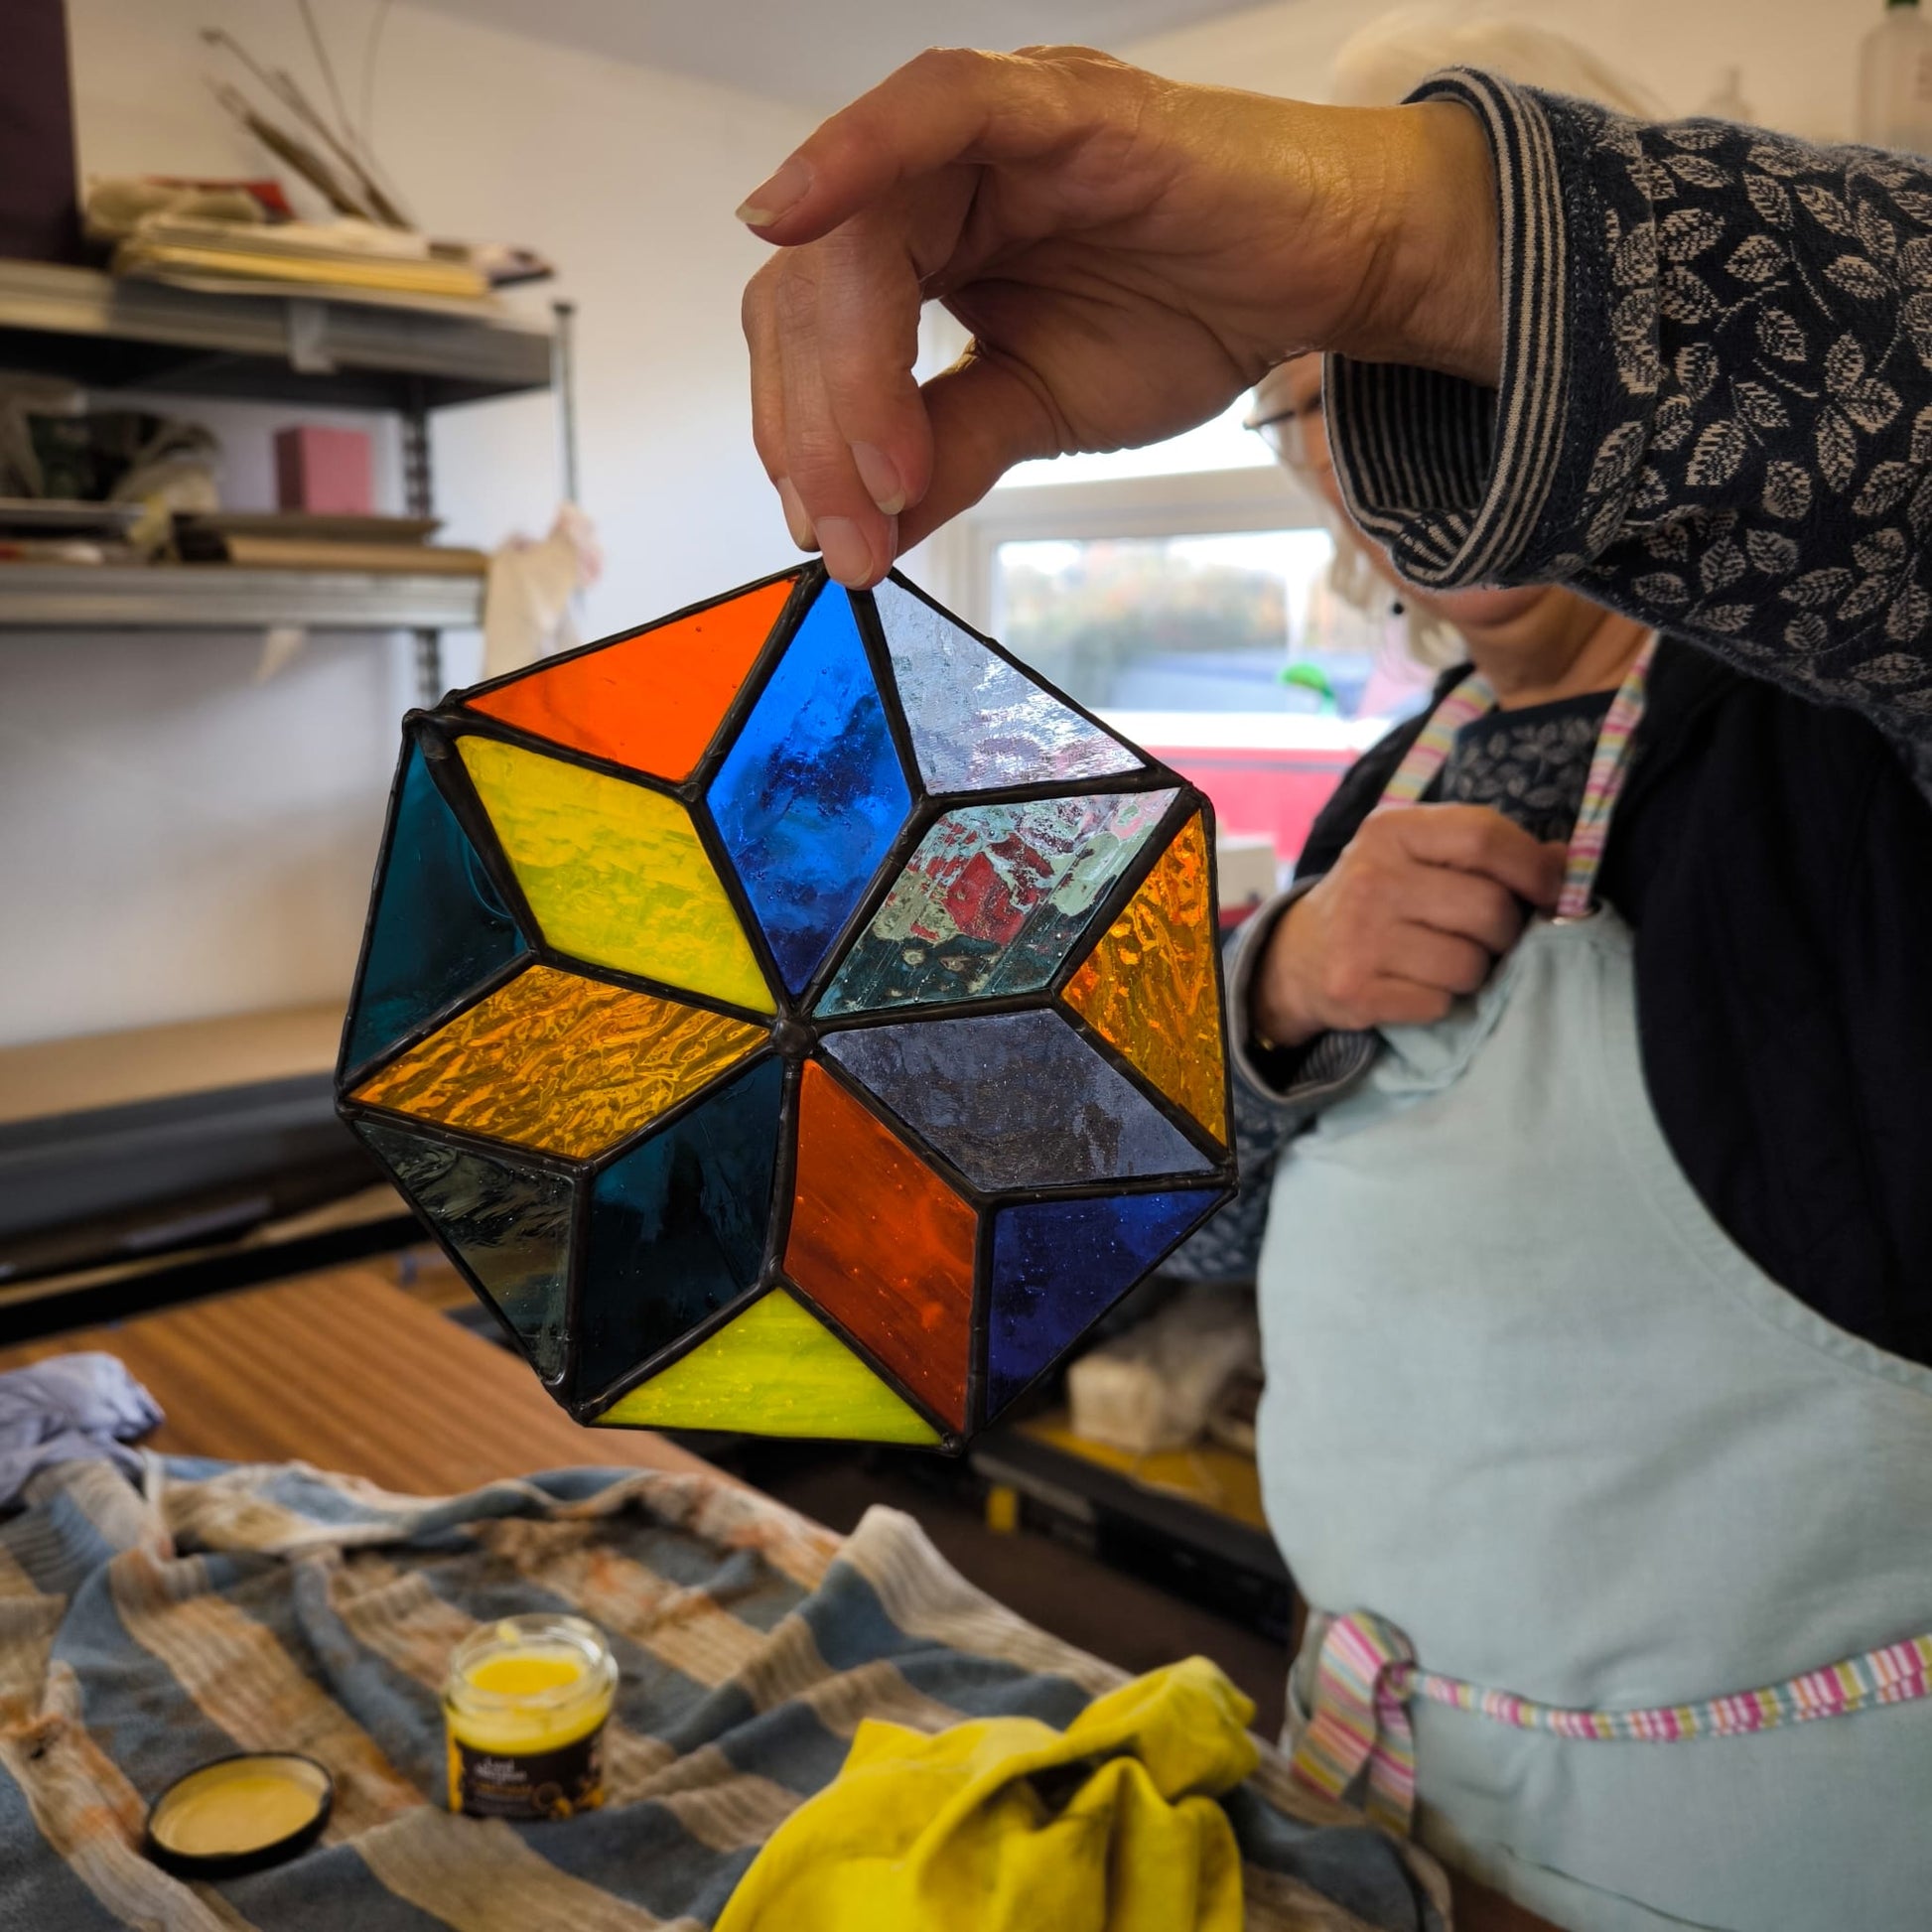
point(561, 1063)
point(772, 1371)
point(1059, 1264)
point(1148, 987)
point(508, 1221)
point(881, 1244)
point(992, 901)
point(1015, 1100)
point(806, 1169)
point(615, 873)
point(650, 701)
point(438, 927)
point(677, 1227)
point(810, 796)
point(977, 721)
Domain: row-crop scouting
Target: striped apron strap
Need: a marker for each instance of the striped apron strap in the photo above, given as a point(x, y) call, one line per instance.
point(1476, 698)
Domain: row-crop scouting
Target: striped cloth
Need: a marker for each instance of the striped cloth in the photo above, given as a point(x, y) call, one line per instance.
point(277, 1607)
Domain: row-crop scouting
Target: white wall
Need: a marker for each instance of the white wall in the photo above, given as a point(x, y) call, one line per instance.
point(1798, 57)
point(181, 841)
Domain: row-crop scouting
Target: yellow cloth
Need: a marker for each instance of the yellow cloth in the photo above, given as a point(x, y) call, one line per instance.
point(974, 1830)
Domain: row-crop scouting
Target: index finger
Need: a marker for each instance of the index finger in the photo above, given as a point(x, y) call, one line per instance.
point(1475, 838)
point(949, 104)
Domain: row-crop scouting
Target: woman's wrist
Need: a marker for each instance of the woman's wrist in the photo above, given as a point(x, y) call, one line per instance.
point(1278, 1021)
point(1432, 290)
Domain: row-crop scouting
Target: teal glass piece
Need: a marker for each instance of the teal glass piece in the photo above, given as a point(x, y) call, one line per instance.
point(977, 721)
point(1016, 1100)
point(810, 796)
point(677, 1227)
point(508, 1223)
point(1058, 1266)
point(992, 901)
point(438, 928)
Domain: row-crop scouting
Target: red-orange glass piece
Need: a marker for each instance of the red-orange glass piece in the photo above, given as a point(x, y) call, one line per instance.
point(881, 1243)
point(650, 702)
point(1147, 988)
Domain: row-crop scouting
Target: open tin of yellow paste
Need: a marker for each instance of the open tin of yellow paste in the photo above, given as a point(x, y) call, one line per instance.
point(525, 1703)
point(240, 1814)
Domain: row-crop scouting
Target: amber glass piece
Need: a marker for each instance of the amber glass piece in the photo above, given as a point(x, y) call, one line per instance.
point(881, 1244)
point(772, 1371)
point(561, 1063)
point(615, 873)
point(652, 701)
point(1147, 988)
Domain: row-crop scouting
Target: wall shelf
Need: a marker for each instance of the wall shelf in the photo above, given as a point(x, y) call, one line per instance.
point(220, 596)
point(106, 332)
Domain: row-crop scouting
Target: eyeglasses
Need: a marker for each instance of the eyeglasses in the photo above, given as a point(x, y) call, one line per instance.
point(1298, 437)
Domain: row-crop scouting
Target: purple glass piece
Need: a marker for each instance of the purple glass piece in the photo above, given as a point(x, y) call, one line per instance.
point(1016, 1100)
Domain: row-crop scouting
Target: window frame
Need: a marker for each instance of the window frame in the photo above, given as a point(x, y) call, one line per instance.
point(957, 561)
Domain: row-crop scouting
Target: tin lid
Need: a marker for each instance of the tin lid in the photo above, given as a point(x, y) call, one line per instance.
point(239, 1814)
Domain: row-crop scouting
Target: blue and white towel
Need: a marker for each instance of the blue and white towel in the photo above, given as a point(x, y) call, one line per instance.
point(223, 1609)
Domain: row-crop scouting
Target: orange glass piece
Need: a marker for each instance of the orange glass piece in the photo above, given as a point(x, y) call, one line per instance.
point(652, 701)
point(1147, 988)
point(883, 1245)
point(555, 1062)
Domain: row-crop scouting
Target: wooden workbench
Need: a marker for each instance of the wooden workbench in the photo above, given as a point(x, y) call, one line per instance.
point(344, 1370)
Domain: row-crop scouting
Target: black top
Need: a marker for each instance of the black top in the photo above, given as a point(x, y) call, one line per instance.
point(1772, 859)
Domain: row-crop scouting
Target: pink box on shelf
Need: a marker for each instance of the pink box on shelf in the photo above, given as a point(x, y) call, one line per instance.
point(329, 470)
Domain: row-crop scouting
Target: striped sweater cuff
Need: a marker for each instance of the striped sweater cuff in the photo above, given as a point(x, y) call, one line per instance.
point(1465, 485)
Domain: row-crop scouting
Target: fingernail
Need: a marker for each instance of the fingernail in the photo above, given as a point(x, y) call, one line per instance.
point(797, 521)
point(880, 475)
point(777, 197)
point(847, 554)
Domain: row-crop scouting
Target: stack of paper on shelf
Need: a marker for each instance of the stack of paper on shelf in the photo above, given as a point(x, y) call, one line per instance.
point(299, 541)
point(350, 260)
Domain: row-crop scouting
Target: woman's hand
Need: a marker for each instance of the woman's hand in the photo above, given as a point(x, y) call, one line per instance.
point(1418, 909)
point(1128, 253)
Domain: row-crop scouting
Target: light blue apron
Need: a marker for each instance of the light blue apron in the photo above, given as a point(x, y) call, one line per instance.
point(1530, 1407)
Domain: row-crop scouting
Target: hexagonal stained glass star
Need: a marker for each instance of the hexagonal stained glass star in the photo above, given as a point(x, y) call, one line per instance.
point(793, 1016)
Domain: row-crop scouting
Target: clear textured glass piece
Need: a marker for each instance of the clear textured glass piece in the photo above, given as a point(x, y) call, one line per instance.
point(1059, 1264)
point(507, 1221)
point(992, 901)
point(677, 1227)
point(772, 1371)
point(438, 927)
point(977, 721)
point(810, 797)
point(1015, 1100)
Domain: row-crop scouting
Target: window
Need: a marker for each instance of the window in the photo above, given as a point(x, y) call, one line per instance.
point(1182, 593)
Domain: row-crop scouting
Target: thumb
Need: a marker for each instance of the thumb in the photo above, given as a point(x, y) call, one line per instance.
point(986, 415)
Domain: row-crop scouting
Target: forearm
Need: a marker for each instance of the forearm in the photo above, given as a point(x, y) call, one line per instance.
point(1714, 351)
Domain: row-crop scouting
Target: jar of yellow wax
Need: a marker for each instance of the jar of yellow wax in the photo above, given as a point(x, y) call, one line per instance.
point(526, 1702)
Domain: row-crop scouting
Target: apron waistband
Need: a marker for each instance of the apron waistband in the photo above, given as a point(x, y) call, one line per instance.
point(1366, 1674)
